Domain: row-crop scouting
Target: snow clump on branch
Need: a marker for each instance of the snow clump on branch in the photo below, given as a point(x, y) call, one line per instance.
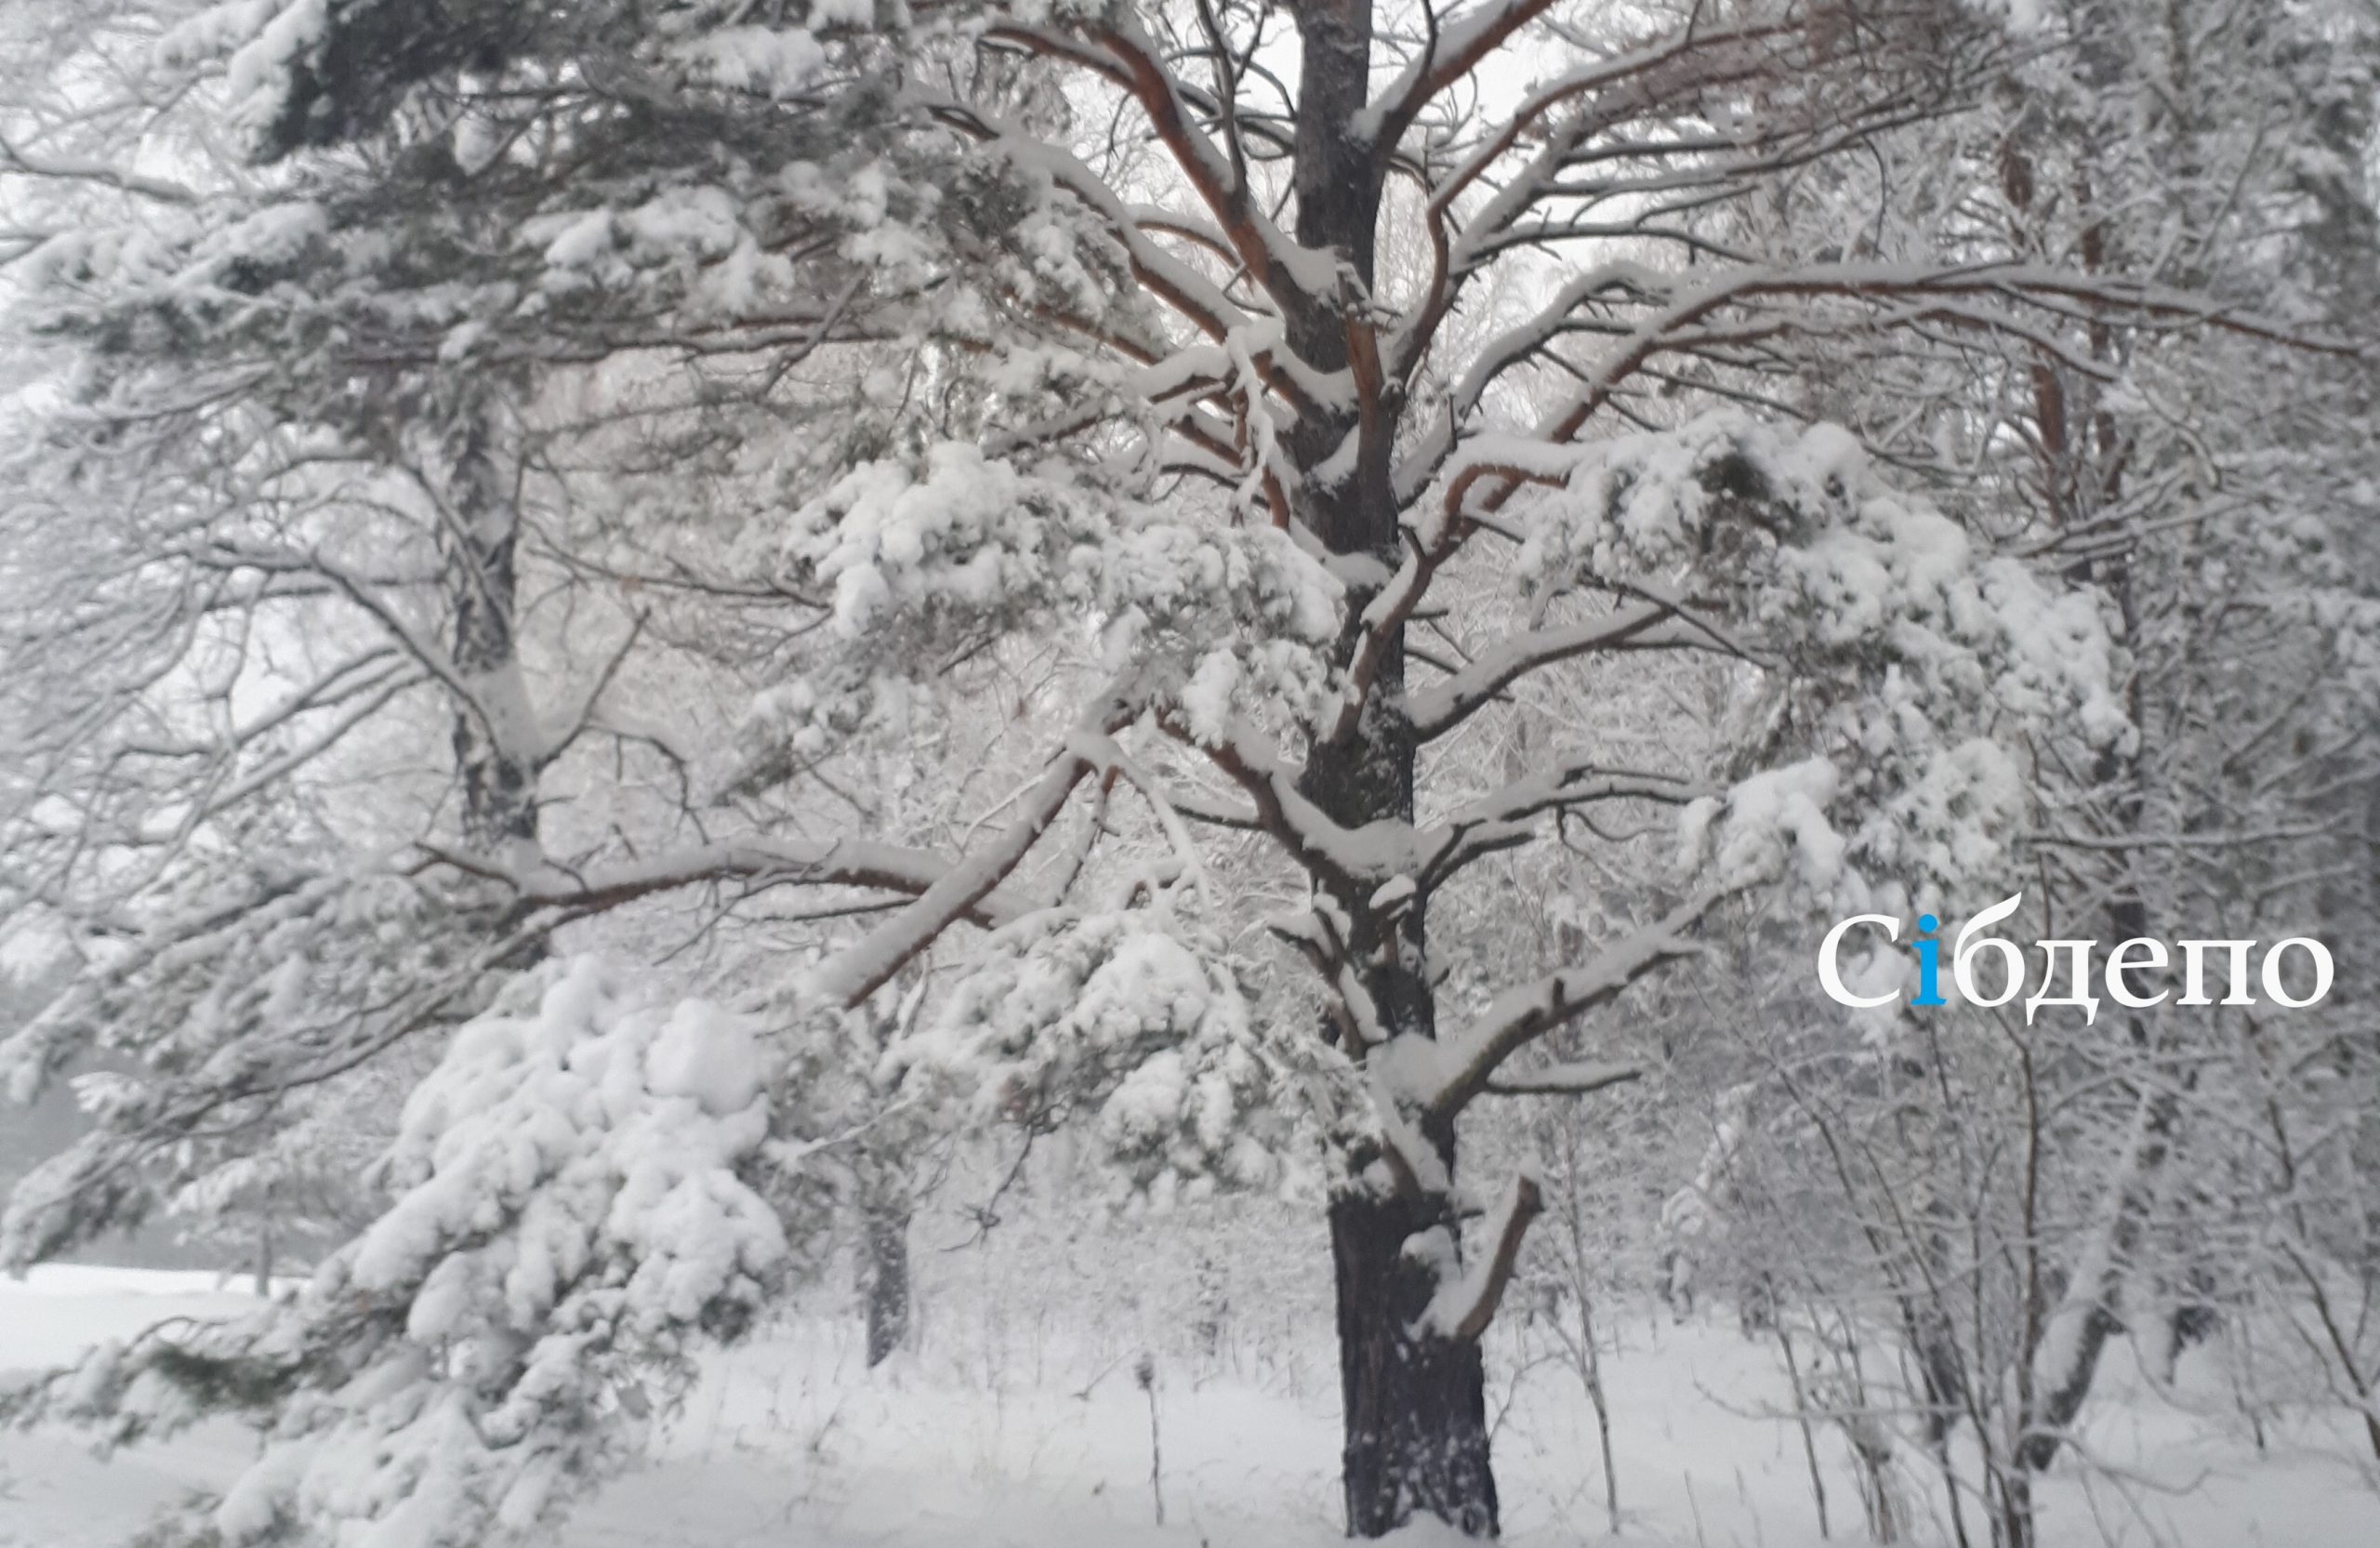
point(1232, 620)
point(1119, 1020)
point(583, 1191)
point(1892, 646)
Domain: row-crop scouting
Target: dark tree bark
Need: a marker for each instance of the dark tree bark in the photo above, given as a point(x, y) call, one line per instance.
point(1415, 1401)
point(1416, 1407)
point(887, 1230)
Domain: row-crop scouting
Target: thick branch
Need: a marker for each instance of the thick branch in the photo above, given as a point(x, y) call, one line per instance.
point(761, 862)
point(1575, 1079)
point(872, 962)
point(1519, 1016)
point(1463, 1309)
point(1454, 52)
point(1445, 705)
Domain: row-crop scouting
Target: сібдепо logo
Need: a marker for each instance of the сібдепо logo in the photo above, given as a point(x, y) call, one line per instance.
point(2133, 967)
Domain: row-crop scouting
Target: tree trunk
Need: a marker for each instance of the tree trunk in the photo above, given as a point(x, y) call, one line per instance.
point(1591, 1370)
point(2015, 1509)
point(887, 1231)
point(497, 773)
point(1416, 1407)
point(1415, 1402)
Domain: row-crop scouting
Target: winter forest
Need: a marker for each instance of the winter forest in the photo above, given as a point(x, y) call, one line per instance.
point(1217, 772)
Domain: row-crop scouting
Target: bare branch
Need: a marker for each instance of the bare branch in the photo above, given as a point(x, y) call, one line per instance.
point(1574, 1079)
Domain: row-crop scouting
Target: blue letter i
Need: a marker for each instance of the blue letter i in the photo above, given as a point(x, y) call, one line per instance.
point(1929, 970)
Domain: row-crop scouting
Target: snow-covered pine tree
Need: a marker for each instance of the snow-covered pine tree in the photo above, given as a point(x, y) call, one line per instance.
point(1267, 374)
point(413, 432)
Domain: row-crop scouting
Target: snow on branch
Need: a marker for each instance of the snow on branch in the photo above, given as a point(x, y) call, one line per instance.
point(580, 1203)
point(760, 861)
point(1179, 284)
point(959, 541)
point(1376, 853)
point(1454, 51)
point(862, 969)
point(1771, 825)
point(1129, 1020)
point(361, 960)
point(1753, 302)
point(1569, 787)
point(1292, 276)
point(1471, 1058)
point(15, 160)
point(1570, 1079)
point(1466, 1306)
point(1446, 703)
point(1859, 603)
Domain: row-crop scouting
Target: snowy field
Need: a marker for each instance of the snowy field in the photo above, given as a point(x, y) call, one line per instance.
point(1007, 1430)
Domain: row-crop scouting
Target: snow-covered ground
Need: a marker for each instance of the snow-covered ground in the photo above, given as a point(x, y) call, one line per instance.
point(1017, 1432)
